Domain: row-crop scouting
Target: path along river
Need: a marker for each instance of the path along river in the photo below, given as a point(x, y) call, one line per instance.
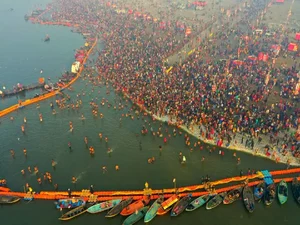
point(49, 140)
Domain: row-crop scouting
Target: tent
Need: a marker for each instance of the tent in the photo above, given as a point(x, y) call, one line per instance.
point(297, 36)
point(252, 57)
point(293, 47)
point(263, 56)
point(188, 31)
point(237, 62)
point(280, 1)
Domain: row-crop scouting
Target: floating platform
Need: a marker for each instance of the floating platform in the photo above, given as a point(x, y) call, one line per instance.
point(195, 190)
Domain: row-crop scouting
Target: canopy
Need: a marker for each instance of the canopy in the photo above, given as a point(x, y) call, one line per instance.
point(252, 57)
point(280, 1)
point(263, 56)
point(293, 47)
point(297, 37)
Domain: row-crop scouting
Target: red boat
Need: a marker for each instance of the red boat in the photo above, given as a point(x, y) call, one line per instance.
point(135, 206)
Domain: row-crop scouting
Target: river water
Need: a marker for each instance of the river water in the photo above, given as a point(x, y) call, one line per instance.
point(49, 140)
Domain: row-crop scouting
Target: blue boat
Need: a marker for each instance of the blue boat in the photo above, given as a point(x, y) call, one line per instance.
point(69, 203)
point(103, 206)
point(259, 191)
point(151, 213)
point(198, 202)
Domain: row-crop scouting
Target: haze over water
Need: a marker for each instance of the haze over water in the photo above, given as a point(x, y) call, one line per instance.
point(23, 55)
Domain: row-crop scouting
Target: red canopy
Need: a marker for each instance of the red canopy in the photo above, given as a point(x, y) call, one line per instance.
point(280, 1)
point(293, 47)
point(297, 37)
point(199, 3)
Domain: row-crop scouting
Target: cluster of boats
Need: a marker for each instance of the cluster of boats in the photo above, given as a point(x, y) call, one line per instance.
point(176, 205)
point(139, 209)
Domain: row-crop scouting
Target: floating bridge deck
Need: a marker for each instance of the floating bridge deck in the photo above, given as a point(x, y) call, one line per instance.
point(195, 190)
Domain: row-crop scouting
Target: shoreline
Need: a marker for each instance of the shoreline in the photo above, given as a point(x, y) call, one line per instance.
point(238, 146)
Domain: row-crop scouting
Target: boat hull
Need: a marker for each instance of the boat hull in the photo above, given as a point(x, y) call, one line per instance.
point(248, 199)
point(103, 206)
point(282, 192)
point(8, 199)
point(232, 196)
point(73, 213)
point(197, 203)
point(215, 201)
point(69, 203)
point(180, 206)
point(270, 194)
point(161, 211)
point(132, 219)
point(118, 208)
point(133, 207)
point(151, 213)
point(259, 191)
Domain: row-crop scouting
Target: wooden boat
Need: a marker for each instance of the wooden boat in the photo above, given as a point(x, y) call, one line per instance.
point(103, 206)
point(135, 217)
point(248, 199)
point(151, 213)
point(282, 192)
point(215, 201)
point(73, 213)
point(296, 190)
point(259, 191)
point(8, 199)
point(232, 196)
point(69, 203)
point(180, 206)
point(166, 205)
point(198, 202)
point(161, 211)
point(118, 208)
point(133, 207)
point(270, 194)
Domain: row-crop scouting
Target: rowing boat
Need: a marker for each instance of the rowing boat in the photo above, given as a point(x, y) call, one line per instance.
point(135, 217)
point(8, 199)
point(270, 194)
point(166, 205)
point(151, 213)
point(232, 196)
point(103, 206)
point(259, 191)
point(198, 202)
point(180, 206)
point(73, 213)
point(215, 201)
point(69, 203)
point(161, 211)
point(248, 199)
point(133, 207)
point(118, 208)
point(296, 190)
point(282, 192)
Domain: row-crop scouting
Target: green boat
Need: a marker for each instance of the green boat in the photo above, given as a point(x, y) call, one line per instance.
point(151, 213)
point(100, 207)
point(198, 202)
point(282, 192)
point(135, 217)
point(215, 201)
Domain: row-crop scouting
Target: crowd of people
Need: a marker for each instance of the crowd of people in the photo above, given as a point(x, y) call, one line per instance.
point(220, 97)
point(213, 93)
